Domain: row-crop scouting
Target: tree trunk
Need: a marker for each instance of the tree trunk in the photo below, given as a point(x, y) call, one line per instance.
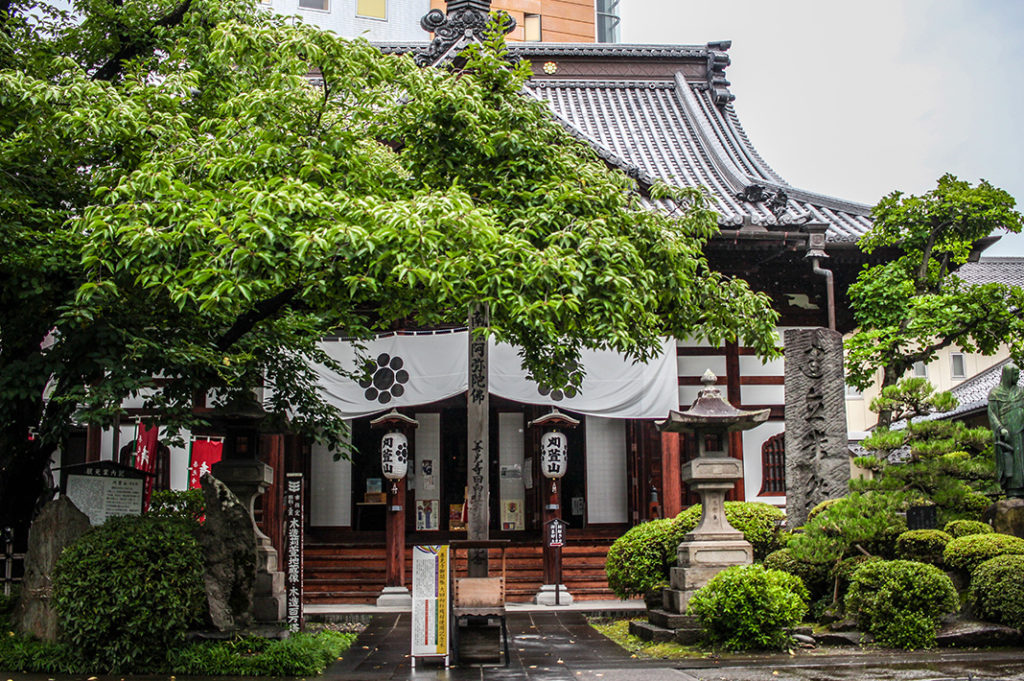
point(890, 375)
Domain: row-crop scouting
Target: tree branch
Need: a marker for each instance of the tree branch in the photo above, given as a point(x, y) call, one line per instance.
point(130, 49)
point(262, 310)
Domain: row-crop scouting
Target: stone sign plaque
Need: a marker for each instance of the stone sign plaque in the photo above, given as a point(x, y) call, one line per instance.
point(817, 456)
point(104, 489)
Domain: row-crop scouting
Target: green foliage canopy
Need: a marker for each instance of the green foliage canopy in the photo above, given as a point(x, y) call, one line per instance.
point(184, 210)
point(910, 307)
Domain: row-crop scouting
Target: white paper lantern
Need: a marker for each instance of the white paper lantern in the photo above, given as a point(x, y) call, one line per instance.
point(554, 454)
point(394, 456)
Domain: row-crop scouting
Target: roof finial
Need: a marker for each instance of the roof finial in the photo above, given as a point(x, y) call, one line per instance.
point(465, 22)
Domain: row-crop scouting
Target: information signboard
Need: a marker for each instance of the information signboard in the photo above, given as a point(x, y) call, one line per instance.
point(293, 524)
point(104, 489)
point(430, 589)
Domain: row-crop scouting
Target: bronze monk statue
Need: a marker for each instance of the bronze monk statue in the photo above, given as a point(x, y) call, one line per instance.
point(1006, 416)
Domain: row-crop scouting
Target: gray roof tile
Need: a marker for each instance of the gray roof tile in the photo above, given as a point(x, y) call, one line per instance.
point(994, 270)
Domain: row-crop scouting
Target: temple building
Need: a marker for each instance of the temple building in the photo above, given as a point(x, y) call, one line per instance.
point(658, 112)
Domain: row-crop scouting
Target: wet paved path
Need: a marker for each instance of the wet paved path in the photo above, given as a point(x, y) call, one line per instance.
point(559, 646)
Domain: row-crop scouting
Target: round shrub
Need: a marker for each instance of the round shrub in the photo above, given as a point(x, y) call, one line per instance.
point(924, 546)
point(127, 591)
point(893, 599)
point(748, 606)
point(967, 553)
point(759, 523)
point(963, 528)
point(997, 590)
point(636, 561)
point(845, 569)
point(640, 559)
point(813, 575)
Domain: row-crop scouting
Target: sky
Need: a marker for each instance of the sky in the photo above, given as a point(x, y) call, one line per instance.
point(858, 99)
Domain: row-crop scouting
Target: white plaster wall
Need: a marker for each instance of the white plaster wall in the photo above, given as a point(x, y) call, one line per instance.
point(606, 471)
point(330, 489)
point(753, 440)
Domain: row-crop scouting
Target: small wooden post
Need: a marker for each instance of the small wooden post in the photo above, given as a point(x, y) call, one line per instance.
point(395, 571)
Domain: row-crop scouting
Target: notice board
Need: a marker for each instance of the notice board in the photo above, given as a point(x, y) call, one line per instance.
point(430, 607)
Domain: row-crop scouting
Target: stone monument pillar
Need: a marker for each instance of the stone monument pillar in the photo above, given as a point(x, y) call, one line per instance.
point(817, 452)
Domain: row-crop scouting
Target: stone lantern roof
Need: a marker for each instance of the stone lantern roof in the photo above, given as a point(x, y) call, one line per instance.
point(711, 412)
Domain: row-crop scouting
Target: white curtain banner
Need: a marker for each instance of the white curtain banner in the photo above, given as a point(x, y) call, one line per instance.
point(412, 370)
point(403, 371)
point(613, 386)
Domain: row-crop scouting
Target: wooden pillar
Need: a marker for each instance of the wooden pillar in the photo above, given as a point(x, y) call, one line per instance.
point(395, 568)
point(478, 444)
point(93, 440)
point(552, 511)
point(735, 398)
point(671, 483)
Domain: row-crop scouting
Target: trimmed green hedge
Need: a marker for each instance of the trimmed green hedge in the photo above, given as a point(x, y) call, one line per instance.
point(967, 553)
point(900, 602)
point(924, 546)
point(748, 606)
point(127, 591)
point(963, 528)
point(997, 590)
point(815, 576)
point(639, 560)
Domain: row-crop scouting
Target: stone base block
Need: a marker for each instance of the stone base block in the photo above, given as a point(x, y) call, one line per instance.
point(651, 632)
point(676, 600)
point(269, 584)
point(268, 608)
point(547, 595)
point(668, 619)
point(395, 597)
point(721, 554)
point(692, 578)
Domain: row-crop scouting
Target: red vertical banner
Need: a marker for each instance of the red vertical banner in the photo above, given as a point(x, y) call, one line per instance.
point(146, 448)
point(293, 528)
point(205, 453)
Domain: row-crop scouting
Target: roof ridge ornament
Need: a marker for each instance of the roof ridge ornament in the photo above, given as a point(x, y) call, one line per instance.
point(718, 60)
point(466, 21)
point(775, 201)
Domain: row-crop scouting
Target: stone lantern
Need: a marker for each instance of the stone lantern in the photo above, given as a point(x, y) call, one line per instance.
point(241, 421)
point(714, 544)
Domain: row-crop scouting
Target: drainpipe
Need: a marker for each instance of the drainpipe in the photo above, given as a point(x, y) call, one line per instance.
point(816, 252)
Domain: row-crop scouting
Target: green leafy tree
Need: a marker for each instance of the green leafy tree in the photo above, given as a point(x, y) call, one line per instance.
point(911, 307)
point(183, 210)
point(940, 462)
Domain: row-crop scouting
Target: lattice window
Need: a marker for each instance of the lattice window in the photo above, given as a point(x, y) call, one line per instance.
point(773, 466)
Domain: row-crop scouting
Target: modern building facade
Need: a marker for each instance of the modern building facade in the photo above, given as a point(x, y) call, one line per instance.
point(399, 20)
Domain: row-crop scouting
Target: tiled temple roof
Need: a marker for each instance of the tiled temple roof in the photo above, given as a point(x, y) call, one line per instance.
point(664, 112)
point(998, 270)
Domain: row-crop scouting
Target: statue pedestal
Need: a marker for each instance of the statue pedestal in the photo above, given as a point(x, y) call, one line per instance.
point(1006, 516)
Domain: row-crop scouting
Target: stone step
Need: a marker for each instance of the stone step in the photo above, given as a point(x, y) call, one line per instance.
point(670, 620)
point(651, 632)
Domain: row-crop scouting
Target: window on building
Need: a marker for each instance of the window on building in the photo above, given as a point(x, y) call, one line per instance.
point(314, 4)
point(375, 9)
point(531, 27)
point(920, 370)
point(773, 466)
point(607, 21)
point(959, 370)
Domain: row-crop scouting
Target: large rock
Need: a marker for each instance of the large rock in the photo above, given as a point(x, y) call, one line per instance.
point(817, 457)
point(964, 633)
point(228, 540)
point(1006, 516)
point(58, 525)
